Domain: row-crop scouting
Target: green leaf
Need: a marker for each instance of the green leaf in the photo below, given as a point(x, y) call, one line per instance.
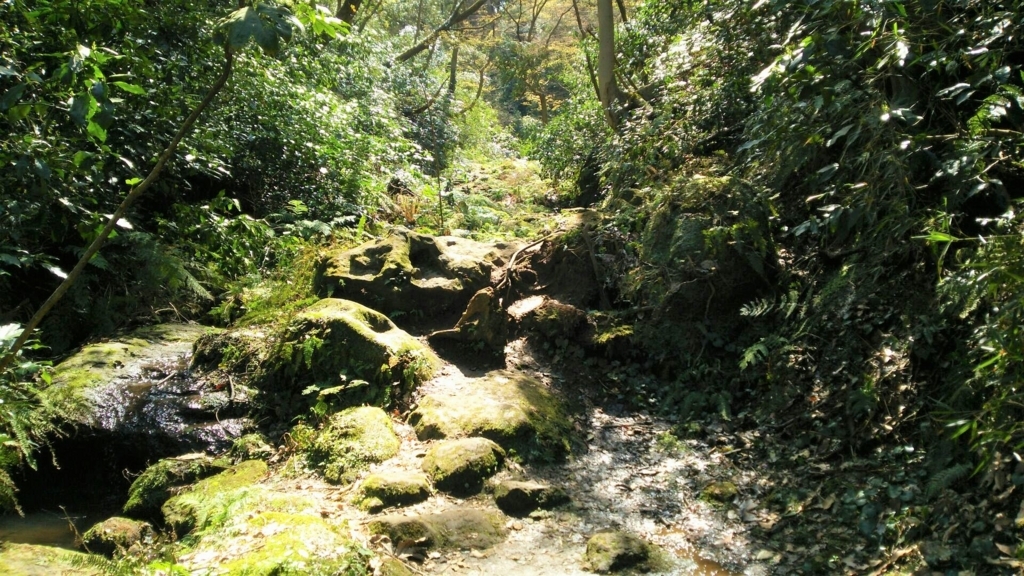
point(936, 236)
point(96, 131)
point(11, 96)
point(133, 181)
point(19, 112)
point(130, 88)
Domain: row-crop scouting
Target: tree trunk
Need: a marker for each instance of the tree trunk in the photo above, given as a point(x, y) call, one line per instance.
point(347, 10)
point(607, 87)
point(453, 72)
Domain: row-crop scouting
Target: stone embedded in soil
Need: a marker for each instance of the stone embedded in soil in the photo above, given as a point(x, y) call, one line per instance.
point(612, 551)
point(153, 487)
point(521, 498)
point(388, 489)
point(511, 408)
point(33, 560)
point(411, 272)
point(719, 492)
point(458, 528)
point(350, 441)
point(115, 535)
point(188, 510)
point(461, 466)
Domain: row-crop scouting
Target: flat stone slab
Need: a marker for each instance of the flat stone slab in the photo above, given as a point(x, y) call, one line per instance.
point(513, 409)
point(461, 466)
point(387, 489)
point(459, 528)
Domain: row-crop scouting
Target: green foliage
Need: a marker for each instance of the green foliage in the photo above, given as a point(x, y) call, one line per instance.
point(28, 419)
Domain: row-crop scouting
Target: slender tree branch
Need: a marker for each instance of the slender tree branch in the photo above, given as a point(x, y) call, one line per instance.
point(133, 194)
point(457, 17)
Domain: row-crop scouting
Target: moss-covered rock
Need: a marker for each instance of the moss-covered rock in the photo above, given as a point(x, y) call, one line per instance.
point(195, 507)
point(350, 441)
point(134, 354)
point(273, 543)
point(469, 528)
point(250, 447)
point(461, 466)
point(32, 560)
point(263, 532)
point(132, 390)
point(719, 492)
point(511, 408)
point(153, 487)
point(614, 551)
point(116, 535)
point(349, 354)
point(387, 489)
point(521, 498)
point(411, 272)
point(394, 567)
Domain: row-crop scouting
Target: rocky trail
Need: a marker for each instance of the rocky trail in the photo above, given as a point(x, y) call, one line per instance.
point(500, 460)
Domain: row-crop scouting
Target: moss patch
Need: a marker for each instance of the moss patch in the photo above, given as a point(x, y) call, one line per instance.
point(719, 492)
point(379, 491)
point(350, 354)
point(116, 535)
point(461, 466)
point(31, 560)
point(615, 551)
point(408, 272)
point(102, 363)
point(208, 499)
point(153, 487)
point(350, 441)
point(458, 528)
point(511, 408)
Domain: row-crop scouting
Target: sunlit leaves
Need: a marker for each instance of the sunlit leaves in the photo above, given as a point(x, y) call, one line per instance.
point(266, 25)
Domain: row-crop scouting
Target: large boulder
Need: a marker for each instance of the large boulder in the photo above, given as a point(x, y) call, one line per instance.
point(261, 530)
point(459, 528)
point(154, 486)
point(461, 466)
point(134, 391)
point(410, 272)
point(511, 408)
point(350, 441)
point(335, 353)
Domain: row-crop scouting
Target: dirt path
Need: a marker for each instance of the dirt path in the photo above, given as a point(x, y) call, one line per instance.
point(627, 472)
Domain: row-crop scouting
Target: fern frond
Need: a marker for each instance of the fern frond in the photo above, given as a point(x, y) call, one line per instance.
point(946, 478)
